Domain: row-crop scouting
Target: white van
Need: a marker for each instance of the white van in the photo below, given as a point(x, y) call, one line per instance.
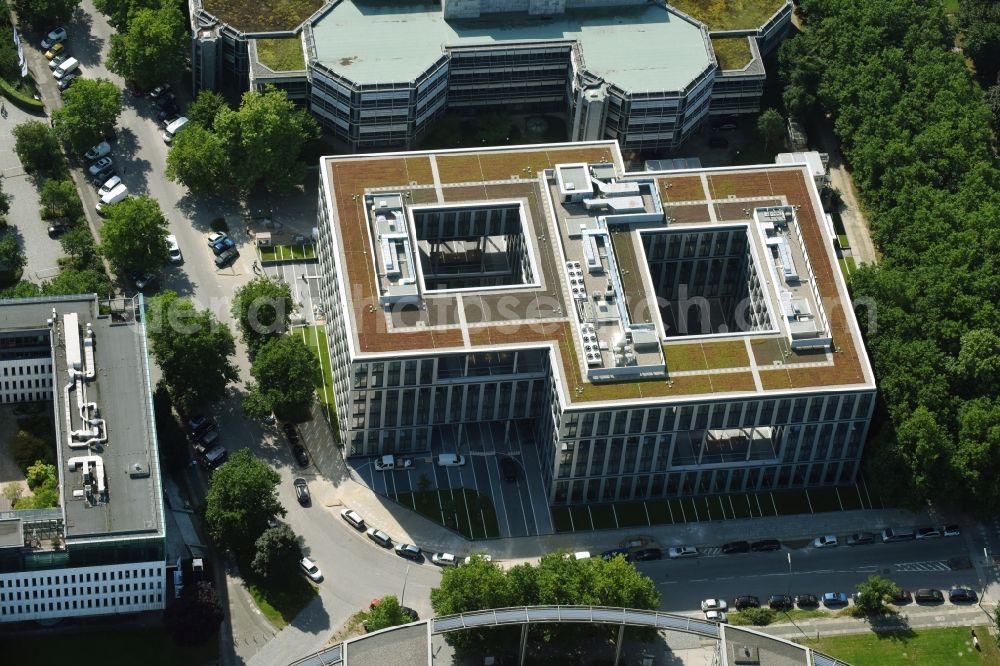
point(173, 128)
point(112, 196)
point(450, 460)
point(67, 66)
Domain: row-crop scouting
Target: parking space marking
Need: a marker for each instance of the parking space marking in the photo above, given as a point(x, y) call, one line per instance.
point(531, 503)
point(499, 503)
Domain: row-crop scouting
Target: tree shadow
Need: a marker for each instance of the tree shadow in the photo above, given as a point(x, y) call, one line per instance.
point(83, 44)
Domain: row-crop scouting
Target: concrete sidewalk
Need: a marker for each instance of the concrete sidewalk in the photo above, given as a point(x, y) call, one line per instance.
point(910, 617)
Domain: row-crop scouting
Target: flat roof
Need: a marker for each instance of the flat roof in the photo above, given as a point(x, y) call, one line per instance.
point(615, 215)
point(120, 389)
point(635, 48)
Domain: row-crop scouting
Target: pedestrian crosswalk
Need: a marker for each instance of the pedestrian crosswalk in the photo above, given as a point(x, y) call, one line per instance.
point(710, 551)
point(930, 565)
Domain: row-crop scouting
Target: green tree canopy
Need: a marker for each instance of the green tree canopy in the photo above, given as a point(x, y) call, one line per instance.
point(979, 22)
point(193, 349)
point(60, 199)
point(154, 47)
point(90, 110)
point(242, 498)
point(265, 138)
point(474, 586)
point(38, 148)
point(285, 371)
point(196, 617)
point(40, 13)
point(386, 613)
point(41, 473)
point(133, 236)
point(874, 594)
point(277, 553)
point(79, 281)
point(205, 107)
point(119, 11)
point(11, 260)
point(262, 309)
point(199, 160)
point(78, 243)
point(22, 289)
point(771, 127)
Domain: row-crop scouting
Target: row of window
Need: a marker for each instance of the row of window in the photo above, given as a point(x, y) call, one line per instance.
point(59, 592)
point(19, 370)
point(81, 604)
point(84, 577)
point(29, 396)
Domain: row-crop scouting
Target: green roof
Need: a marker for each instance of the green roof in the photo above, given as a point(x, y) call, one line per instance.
point(262, 15)
point(730, 14)
point(732, 52)
point(281, 55)
point(636, 48)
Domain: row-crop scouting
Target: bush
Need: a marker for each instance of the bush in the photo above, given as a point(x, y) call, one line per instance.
point(758, 617)
point(28, 448)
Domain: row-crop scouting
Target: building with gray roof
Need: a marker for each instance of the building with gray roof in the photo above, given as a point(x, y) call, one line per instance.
point(101, 551)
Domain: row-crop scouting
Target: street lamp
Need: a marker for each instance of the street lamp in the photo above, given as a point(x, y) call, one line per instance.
point(405, 577)
point(789, 573)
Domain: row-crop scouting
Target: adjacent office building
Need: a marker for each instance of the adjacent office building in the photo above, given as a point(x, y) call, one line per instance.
point(101, 551)
point(650, 334)
point(642, 73)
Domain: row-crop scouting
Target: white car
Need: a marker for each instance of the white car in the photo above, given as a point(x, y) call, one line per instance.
point(353, 517)
point(109, 185)
point(828, 541)
point(714, 605)
point(174, 249)
point(484, 556)
point(310, 569)
point(215, 237)
point(444, 559)
point(679, 552)
point(717, 616)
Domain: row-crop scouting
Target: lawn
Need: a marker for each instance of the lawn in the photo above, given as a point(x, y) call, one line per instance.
point(460, 509)
point(279, 601)
point(263, 16)
point(314, 337)
point(847, 265)
point(733, 52)
point(151, 647)
point(287, 252)
point(952, 645)
point(729, 14)
point(281, 55)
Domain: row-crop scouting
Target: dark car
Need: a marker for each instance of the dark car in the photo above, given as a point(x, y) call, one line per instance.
point(67, 80)
point(961, 595)
point(227, 257)
point(169, 111)
point(860, 539)
point(613, 553)
point(302, 492)
point(166, 99)
point(198, 423)
point(102, 176)
point(509, 469)
point(765, 545)
point(736, 547)
point(928, 595)
point(409, 551)
point(902, 597)
point(290, 432)
point(806, 600)
point(223, 244)
point(301, 456)
point(779, 602)
point(835, 599)
point(645, 555)
point(159, 91)
point(746, 601)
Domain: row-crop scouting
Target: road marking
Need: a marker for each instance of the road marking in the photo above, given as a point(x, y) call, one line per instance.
point(490, 466)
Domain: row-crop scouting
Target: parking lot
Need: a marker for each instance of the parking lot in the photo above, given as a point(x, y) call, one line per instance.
point(473, 498)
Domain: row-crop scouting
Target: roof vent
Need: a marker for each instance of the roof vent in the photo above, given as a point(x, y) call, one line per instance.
point(138, 471)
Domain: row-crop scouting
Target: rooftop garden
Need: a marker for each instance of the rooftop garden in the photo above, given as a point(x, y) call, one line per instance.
point(729, 14)
point(281, 55)
point(266, 15)
point(733, 53)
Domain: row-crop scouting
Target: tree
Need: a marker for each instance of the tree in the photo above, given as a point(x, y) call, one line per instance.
point(205, 108)
point(993, 101)
point(79, 245)
point(134, 235)
point(12, 492)
point(241, 499)
point(196, 617)
point(37, 147)
point(11, 260)
point(277, 553)
point(262, 308)
point(4, 204)
point(478, 585)
point(285, 370)
point(60, 199)
point(978, 362)
point(78, 281)
point(979, 23)
point(90, 110)
point(39, 474)
point(119, 11)
point(22, 289)
point(154, 47)
point(39, 13)
point(771, 127)
point(874, 594)
point(44, 484)
point(386, 613)
point(193, 349)
point(265, 139)
point(170, 436)
point(199, 160)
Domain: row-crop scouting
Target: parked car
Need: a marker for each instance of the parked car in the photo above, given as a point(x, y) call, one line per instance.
point(168, 113)
point(290, 432)
point(860, 539)
point(100, 150)
point(379, 537)
point(198, 422)
point(828, 541)
point(714, 604)
point(615, 552)
point(902, 597)
point(928, 533)
point(894, 534)
point(207, 440)
point(779, 602)
point(109, 184)
point(746, 601)
point(301, 455)
point(354, 518)
point(214, 457)
point(310, 569)
point(54, 50)
point(104, 176)
point(223, 244)
point(141, 279)
point(645, 555)
point(444, 560)
point(951, 531)
point(166, 99)
point(58, 60)
point(409, 551)
point(389, 462)
point(215, 237)
point(961, 595)
point(734, 547)
point(450, 460)
point(806, 600)
point(227, 257)
point(717, 616)
point(509, 469)
point(58, 227)
point(765, 545)
point(302, 492)
point(98, 166)
point(159, 90)
point(56, 36)
point(174, 249)
point(928, 595)
point(680, 552)
point(66, 81)
point(835, 599)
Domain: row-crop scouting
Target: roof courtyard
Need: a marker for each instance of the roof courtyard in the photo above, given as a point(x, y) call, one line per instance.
point(262, 15)
point(571, 251)
point(729, 14)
